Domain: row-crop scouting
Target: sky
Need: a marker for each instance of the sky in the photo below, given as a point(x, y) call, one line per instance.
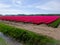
point(29, 6)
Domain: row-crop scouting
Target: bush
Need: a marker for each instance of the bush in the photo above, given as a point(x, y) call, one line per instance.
point(27, 37)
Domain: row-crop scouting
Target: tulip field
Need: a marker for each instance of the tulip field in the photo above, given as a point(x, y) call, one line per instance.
point(49, 20)
point(29, 34)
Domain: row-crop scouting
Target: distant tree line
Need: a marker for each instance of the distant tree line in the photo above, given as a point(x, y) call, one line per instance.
point(31, 14)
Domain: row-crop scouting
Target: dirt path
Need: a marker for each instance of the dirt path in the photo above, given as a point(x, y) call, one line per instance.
point(9, 41)
point(41, 29)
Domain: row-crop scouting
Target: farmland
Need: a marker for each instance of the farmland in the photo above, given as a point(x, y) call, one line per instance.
point(33, 26)
point(34, 19)
point(27, 37)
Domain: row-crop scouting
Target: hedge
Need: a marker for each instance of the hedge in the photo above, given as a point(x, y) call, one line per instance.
point(27, 37)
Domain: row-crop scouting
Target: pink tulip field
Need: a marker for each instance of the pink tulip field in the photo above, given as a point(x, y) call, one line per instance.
point(32, 19)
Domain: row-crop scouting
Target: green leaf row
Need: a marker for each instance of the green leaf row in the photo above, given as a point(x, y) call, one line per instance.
point(55, 24)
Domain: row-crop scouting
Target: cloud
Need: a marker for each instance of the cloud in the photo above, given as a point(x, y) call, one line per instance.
point(14, 11)
point(10, 11)
point(19, 7)
point(51, 5)
point(2, 5)
point(6, 9)
point(17, 2)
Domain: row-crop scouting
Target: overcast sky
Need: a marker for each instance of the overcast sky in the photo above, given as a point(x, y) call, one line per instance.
point(29, 6)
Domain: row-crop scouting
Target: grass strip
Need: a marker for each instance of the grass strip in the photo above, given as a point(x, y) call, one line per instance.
point(2, 41)
point(55, 24)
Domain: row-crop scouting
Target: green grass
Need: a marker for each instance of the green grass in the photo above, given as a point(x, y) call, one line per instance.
point(27, 37)
point(2, 41)
point(55, 24)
